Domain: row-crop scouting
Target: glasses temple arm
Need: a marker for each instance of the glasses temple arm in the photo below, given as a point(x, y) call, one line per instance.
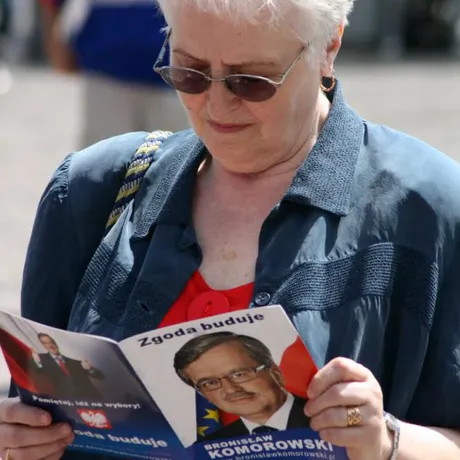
point(162, 53)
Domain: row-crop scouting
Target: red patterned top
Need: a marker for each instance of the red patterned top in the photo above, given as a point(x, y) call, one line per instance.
point(198, 301)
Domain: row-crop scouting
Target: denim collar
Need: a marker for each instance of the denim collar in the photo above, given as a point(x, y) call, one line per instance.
point(325, 179)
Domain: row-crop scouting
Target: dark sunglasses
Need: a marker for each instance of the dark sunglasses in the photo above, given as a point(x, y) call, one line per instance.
point(252, 88)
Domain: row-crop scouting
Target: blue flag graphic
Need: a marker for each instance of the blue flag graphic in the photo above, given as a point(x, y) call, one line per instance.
point(207, 417)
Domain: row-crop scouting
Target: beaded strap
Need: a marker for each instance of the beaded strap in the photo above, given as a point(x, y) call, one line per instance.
point(139, 165)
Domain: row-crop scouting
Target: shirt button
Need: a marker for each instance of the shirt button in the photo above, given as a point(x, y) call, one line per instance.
point(262, 299)
point(208, 304)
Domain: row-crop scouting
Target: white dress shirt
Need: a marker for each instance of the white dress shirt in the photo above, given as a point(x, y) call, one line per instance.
point(278, 420)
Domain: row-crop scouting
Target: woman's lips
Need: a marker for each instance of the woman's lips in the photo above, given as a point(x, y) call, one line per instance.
point(227, 128)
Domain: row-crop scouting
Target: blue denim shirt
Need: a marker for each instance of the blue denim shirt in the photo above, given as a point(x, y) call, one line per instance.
point(363, 252)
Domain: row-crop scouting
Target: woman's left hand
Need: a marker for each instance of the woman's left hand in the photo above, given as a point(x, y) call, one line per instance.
point(338, 388)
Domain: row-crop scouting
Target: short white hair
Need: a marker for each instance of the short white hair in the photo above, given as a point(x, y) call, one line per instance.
point(317, 20)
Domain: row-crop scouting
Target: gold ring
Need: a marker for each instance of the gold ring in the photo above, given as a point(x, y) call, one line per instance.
point(353, 416)
point(7, 454)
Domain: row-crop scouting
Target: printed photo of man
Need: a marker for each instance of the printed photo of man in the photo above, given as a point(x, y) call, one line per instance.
point(67, 378)
point(238, 375)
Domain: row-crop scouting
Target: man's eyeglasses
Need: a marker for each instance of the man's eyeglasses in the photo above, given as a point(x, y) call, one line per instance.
point(236, 377)
point(251, 88)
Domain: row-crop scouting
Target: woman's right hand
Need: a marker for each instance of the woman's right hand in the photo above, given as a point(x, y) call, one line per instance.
point(28, 433)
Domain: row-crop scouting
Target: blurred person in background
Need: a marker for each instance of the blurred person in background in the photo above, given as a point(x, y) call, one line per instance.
point(112, 44)
point(5, 22)
point(430, 25)
point(4, 25)
point(4, 16)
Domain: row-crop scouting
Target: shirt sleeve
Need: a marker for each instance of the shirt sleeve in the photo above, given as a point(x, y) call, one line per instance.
point(54, 262)
point(437, 399)
point(69, 225)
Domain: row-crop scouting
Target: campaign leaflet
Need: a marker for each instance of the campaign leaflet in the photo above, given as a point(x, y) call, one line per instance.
point(86, 381)
point(231, 386)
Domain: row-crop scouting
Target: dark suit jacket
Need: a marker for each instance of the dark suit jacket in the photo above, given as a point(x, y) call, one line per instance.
point(77, 384)
point(297, 419)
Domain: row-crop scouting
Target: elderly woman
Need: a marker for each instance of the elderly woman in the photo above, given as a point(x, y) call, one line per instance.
point(281, 194)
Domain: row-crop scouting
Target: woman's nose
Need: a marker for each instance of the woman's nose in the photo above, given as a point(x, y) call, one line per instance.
point(221, 101)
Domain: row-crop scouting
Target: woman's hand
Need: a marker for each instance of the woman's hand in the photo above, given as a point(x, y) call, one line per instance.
point(334, 392)
point(26, 433)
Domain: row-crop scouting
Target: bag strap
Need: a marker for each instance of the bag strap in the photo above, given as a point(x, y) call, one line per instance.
point(140, 163)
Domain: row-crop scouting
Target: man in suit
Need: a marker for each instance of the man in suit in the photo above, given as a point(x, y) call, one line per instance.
point(68, 378)
point(237, 374)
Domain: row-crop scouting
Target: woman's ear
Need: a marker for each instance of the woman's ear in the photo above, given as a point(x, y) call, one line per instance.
point(332, 50)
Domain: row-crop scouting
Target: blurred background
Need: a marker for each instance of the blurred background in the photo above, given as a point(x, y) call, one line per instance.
point(400, 66)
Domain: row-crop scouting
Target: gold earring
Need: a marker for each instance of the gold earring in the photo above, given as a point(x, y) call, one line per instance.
point(328, 89)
